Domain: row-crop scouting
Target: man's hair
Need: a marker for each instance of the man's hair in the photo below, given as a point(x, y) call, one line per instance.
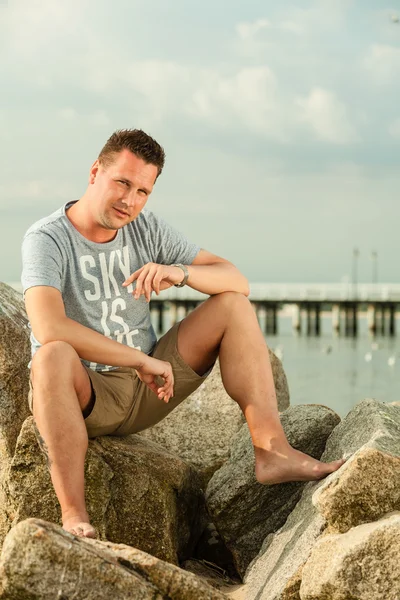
point(137, 142)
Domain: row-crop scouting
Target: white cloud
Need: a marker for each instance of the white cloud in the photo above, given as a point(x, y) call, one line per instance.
point(34, 25)
point(248, 30)
point(394, 129)
point(327, 116)
point(383, 63)
point(248, 98)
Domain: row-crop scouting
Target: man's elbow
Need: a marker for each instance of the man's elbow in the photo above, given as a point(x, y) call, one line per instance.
point(48, 333)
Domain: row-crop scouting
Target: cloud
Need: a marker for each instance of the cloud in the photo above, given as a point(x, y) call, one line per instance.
point(247, 30)
point(248, 99)
point(327, 117)
point(383, 63)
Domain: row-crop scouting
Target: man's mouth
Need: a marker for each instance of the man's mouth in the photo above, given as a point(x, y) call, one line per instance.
point(121, 212)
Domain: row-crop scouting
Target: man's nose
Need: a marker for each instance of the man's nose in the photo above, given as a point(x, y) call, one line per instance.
point(131, 199)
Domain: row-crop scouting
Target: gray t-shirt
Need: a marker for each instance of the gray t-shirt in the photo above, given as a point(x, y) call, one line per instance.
point(90, 275)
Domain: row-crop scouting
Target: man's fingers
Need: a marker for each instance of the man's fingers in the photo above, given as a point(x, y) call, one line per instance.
point(148, 284)
point(139, 284)
point(157, 282)
point(132, 277)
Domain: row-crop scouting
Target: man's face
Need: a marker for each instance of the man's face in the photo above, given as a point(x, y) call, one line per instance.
point(121, 189)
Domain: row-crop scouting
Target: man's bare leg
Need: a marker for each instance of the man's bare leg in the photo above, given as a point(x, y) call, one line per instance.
point(61, 390)
point(226, 325)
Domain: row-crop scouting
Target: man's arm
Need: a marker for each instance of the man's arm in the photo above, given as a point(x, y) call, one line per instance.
point(208, 273)
point(46, 313)
point(211, 274)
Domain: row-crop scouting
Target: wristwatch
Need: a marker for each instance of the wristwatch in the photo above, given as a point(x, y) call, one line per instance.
point(185, 273)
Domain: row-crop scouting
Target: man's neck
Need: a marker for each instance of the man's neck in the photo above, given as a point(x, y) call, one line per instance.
point(80, 217)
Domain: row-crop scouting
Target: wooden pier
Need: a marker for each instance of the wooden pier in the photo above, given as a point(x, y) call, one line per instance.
point(378, 303)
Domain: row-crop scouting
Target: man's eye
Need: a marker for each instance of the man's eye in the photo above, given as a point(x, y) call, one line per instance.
point(124, 182)
point(143, 192)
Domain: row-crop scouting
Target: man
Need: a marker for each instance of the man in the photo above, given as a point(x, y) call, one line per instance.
point(89, 270)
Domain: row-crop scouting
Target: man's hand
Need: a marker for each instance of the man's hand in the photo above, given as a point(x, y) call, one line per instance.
point(153, 278)
point(150, 369)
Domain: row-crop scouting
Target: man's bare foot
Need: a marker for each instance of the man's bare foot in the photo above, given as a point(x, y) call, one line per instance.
point(291, 465)
point(80, 527)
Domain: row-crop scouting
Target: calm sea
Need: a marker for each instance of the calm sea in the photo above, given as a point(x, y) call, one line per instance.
point(337, 371)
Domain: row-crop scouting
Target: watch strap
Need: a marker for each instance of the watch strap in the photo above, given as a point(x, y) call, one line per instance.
point(185, 273)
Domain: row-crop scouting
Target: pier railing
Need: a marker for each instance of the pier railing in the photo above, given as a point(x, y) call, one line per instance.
point(329, 293)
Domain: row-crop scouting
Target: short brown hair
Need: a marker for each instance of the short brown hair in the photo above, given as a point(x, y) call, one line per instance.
point(137, 142)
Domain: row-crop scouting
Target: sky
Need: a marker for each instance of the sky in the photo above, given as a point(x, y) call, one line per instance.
point(280, 122)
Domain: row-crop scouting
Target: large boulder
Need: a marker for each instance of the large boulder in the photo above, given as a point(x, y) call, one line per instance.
point(201, 429)
point(14, 381)
point(245, 511)
point(370, 435)
point(362, 563)
point(137, 493)
point(14, 374)
point(41, 561)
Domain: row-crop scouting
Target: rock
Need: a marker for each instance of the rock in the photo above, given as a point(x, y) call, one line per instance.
point(245, 511)
point(210, 572)
point(201, 429)
point(368, 488)
point(41, 561)
point(361, 564)
point(370, 425)
point(14, 375)
point(137, 493)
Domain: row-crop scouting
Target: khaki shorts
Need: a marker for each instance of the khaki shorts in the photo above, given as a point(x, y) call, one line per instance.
point(124, 404)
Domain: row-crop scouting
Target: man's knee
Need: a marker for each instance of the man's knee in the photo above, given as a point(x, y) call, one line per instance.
point(51, 356)
point(230, 301)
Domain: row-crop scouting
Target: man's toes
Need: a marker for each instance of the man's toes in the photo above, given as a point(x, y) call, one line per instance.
point(333, 466)
point(336, 464)
point(90, 532)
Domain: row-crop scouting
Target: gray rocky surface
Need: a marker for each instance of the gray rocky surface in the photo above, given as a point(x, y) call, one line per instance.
point(14, 376)
point(41, 561)
point(201, 429)
point(362, 564)
point(371, 425)
point(245, 511)
point(137, 493)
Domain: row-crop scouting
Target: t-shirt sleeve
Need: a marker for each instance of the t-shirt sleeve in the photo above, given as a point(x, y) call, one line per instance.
point(41, 261)
point(171, 245)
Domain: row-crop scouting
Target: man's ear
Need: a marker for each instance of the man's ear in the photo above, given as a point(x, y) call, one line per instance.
point(93, 171)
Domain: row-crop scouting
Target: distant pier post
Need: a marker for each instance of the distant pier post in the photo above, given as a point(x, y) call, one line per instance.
point(354, 320)
point(308, 320)
point(161, 317)
point(271, 322)
point(371, 318)
point(317, 319)
point(380, 320)
point(392, 320)
point(336, 318)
